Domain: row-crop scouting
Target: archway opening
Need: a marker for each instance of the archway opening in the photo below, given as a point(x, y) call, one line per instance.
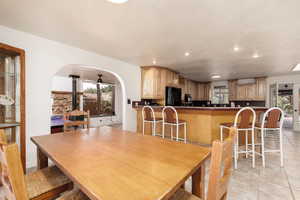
point(98, 90)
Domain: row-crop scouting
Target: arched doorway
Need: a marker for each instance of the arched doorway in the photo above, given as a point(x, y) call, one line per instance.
point(109, 109)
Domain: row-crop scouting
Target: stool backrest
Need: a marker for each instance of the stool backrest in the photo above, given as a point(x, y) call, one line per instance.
point(12, 175)
point(247, 116)
point(273, 118)
point(148, 113)
point(221, 167)
point(169, 114)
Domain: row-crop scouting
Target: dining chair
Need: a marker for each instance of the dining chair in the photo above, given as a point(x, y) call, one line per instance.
point(220, 171)
point(3, 140)
point(45, 184)
point(272, 121)
point(170, 117)
point(148, 116)
point(244, 121)
point(76, 119)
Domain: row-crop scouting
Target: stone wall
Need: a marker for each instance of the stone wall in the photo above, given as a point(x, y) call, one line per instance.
point(62, 102)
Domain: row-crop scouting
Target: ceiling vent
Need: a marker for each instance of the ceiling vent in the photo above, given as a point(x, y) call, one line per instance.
point(246, 81)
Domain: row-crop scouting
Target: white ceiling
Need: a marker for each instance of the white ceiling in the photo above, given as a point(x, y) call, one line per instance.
point(87, 73)
point(141, 30)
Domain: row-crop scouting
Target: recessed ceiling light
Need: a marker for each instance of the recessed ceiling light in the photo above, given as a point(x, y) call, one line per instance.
point(297, 67)
point(255, 55)
point(117, 1)
point(187, 53)
point(154, 62)
point(236, 48)
point(215, 76)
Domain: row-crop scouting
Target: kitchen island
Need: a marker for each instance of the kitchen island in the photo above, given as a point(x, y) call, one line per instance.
point(203, 123)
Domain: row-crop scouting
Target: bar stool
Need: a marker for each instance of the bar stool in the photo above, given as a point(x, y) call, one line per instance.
point(170, 117)
point(149, 117)
point(247, 123)
point(272, 121)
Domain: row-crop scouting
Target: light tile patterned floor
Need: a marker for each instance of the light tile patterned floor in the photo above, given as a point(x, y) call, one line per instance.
point(272, 182)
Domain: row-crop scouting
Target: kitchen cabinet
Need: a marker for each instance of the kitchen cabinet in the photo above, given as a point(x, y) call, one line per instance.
point(247, 92)
point(232, 87)
point(261, 89)
point(203, 91)
point(155, 80)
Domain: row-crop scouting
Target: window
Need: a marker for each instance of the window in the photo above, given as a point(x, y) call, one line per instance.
point(220, 95)
point(99, 99)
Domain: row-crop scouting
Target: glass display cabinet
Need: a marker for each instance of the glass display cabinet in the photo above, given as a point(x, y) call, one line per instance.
point(12, 96)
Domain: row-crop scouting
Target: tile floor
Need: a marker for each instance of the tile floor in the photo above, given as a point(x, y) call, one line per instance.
point(272, 182)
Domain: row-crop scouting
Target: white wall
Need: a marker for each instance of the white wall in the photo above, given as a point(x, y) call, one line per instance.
point(43, 59)
point(60, 83)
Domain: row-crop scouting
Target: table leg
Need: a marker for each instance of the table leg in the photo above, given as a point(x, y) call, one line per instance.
point(42, 159)
point(198, 182)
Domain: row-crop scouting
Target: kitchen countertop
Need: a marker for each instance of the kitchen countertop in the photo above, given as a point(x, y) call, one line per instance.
point(203, 108)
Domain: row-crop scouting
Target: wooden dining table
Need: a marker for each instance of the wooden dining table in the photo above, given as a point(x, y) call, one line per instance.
point(112, 164)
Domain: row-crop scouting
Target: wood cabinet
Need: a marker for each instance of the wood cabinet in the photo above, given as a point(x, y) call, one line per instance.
point(261, 89)
point(203, 91)
point(248, 92)
point(155, 80)
point(232, 87)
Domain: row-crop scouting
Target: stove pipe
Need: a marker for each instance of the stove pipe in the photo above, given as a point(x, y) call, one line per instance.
point(74, 91)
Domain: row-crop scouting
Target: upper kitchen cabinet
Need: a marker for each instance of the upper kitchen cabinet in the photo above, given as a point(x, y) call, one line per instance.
point(151, 83)
point(232, 87)
point(261, 89)
point(154, 81)
point(203, 91)
point(253, 91)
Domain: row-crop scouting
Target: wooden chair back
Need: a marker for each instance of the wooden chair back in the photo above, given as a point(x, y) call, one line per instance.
point(247, 117)
point(273, 118)
point(76, 118)
point(12, 175)
point(148, 113)
point(169, 114)
point(221, 167)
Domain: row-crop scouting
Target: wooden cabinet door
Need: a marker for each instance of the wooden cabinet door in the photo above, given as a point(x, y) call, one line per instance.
point(232, 86)
point(261, 89)
point(250, 92)
point(147, 83)
point(207, 89)
point(201, 88)
point(241, 92)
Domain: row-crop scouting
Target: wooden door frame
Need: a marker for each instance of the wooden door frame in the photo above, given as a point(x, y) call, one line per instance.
point(21, 53)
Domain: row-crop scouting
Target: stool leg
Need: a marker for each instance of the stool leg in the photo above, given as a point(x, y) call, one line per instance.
point(171, 131)
point(263, 147)
point(236, 148)
point(154, 128)
point(177, 132)
point(143, 128)
point(185, 133)
point(246, 143)
point(281, 147)
point(221, 133)
point(253, 149)
point(163, 130)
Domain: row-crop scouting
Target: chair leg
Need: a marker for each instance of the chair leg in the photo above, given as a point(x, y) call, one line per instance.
point(185, 133)
point(253, 149)
point(281, 147)
point(221, 133)
point(163, 130)
point(143, 128)
point(177, 132)
point(246, 143)
point(263, 147)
